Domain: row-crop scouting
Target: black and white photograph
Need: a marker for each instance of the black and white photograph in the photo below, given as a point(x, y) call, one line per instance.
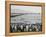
point(25, 19)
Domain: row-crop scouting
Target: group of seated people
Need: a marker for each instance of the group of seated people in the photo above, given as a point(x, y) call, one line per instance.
point(22, 27)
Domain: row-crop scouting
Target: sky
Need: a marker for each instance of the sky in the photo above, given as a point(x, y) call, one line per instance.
point(33, 9)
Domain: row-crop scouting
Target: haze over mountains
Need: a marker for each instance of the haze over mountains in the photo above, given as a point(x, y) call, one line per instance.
point(24, 17)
